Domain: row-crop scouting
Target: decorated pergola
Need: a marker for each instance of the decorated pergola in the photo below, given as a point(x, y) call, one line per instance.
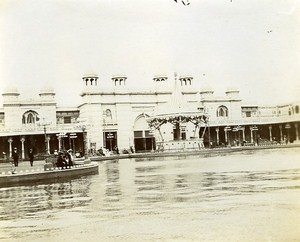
point(178, 113)
point(177, 119)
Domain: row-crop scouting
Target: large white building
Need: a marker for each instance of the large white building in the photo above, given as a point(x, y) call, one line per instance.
point(115, 114)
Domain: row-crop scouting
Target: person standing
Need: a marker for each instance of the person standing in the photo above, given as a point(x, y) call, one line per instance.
point(31, 156)
point(15, 156)
point(4, 156)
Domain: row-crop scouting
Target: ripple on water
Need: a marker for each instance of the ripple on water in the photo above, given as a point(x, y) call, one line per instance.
point(171, 197)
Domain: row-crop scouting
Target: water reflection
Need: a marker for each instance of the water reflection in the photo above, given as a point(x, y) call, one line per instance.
point(28, 201)
point(173, 188)
point(149, 184)
point(113, 188)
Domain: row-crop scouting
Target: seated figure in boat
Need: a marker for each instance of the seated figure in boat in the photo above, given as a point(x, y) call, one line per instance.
point(69, 157)
point(61, 161)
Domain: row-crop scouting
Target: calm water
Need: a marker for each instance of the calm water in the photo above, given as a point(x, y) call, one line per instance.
point(247, 196)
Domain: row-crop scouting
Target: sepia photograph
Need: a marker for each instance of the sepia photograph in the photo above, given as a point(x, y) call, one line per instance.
point(150, 120)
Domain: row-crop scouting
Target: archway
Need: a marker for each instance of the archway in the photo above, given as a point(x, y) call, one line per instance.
point(144, 139)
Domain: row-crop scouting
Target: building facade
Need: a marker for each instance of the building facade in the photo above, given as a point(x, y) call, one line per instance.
point(115, 115)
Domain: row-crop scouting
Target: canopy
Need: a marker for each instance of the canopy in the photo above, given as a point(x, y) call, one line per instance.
point(177, 110)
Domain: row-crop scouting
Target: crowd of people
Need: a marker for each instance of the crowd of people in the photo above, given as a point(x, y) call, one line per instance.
point(64, 159)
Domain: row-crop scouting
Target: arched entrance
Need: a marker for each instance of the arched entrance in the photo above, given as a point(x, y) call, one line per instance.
point(144, 139)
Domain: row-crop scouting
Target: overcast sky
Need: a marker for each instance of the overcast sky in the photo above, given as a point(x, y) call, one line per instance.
point(252, 45)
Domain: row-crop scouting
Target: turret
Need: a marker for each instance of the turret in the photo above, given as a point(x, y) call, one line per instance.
point(90, 80)
point(47, 94)
point(10, 94)
point(186, 80)
point(160, 79)
point(206, 92)
point(119, 80)
point(232, 93)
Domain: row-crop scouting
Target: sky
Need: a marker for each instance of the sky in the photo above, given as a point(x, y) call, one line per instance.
point(250, 45)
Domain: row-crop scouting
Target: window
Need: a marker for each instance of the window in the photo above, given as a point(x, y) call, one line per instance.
point(30, 117)
point(138, 134)
point(222, 111)
point(297, 109)
point(67, 120)
point(248, 114)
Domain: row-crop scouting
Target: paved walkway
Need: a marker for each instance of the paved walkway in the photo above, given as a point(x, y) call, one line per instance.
point(23, 166)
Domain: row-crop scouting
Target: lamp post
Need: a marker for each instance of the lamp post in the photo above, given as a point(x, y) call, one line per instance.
point(83, 126)
point(44, 124)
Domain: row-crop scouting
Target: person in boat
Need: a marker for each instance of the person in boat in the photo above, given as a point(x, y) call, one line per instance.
point(100, 151)
point(69, 157)
point(116, 149)
point(61, 161)
point(31, 157)
point(77, 155)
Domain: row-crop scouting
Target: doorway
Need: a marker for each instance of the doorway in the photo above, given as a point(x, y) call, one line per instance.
point(110, 140)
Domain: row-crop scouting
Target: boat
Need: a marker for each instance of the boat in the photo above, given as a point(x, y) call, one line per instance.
point(48, 175)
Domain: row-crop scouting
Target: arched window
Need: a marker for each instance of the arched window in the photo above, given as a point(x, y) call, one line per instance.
point(30, 117)
point(222, 111)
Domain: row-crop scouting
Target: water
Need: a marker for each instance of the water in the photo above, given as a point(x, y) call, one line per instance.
point(246, 196)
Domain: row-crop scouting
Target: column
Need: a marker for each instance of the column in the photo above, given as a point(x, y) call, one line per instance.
point(297, 132)
point(280, 128)
point(251, 135)
point(85, 148)
point(10, 146)
point(243, 130)
point(226, 130)
point(288, 127)
point(48, 145)
point(59, 142)
point(270, 131)
point(23, 150)
point(218, 138)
